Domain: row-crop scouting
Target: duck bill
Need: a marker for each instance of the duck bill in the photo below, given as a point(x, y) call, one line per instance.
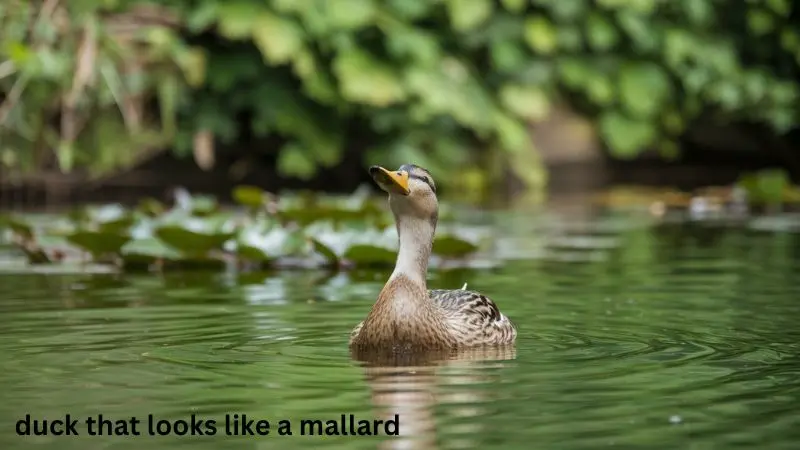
point(390, 181)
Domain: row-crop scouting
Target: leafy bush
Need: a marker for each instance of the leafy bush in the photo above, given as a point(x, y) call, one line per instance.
point(78, 80)
point(427, 81)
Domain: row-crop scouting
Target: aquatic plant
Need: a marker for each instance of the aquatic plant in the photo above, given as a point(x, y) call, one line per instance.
point(195, 231)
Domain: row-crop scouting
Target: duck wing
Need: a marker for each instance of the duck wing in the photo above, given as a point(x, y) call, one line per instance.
point(475, 315)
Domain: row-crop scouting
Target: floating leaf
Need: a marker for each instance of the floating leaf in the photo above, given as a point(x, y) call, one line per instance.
point(146, 251)
point(117, 226)
point(98, 243)
point(151, 207)
point(369, 255)
point(192, 242)
point(452, 246)
point(255, 244)
point(36, 255)
point(203, 205)
point(18, 227)
point(103, 214)
point(326, 252)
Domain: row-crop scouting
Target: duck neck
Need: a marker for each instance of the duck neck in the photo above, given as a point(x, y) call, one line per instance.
point(415, 243)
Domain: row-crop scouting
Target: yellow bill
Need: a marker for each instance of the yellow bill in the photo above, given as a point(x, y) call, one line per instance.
point(393, 182)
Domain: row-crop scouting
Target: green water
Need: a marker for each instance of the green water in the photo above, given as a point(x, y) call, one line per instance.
point(681, 336)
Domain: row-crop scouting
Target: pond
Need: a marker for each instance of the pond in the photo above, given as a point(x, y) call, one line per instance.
point(672, 335)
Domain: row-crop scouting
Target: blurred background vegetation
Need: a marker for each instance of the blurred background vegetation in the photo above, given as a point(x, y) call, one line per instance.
point(475, 90)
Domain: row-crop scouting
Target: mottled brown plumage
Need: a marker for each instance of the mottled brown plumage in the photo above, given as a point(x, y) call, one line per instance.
point(407, 315)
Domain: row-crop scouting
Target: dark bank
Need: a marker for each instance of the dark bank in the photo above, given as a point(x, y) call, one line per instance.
point(347, 425)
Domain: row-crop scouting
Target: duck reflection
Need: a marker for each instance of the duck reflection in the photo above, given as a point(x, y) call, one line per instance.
point(414, 385)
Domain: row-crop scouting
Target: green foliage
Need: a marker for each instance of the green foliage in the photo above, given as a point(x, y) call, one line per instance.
point(304, 231)
point(424, 81)
point(76, 83)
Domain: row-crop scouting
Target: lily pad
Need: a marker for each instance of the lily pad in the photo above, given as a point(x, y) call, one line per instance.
point(79, 215)
point(111, 218)
point(254, 244)
point(46, 249)
point(204, 206)
point(370, 255)
point(453, 246)
point(192, 242)
point(152, 236)
point(141, 253)
point(98, 243)
point(118, 226)
point(325, 251)
point(151, 207)
point(198, 205)
point(36, 255)
point(18, 227)
point(104, 213)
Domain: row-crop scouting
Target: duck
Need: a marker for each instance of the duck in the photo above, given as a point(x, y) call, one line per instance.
point(407, 315)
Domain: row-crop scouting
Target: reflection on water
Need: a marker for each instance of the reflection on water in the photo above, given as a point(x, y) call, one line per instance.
point(408, 386)
point(669, 336)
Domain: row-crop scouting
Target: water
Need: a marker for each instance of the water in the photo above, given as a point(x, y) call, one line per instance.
point(680, 336)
